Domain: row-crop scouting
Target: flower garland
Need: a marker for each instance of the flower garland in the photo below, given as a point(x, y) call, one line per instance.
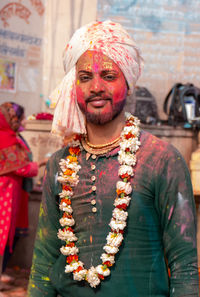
point(69, 179)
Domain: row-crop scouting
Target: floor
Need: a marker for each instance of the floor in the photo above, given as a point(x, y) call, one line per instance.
point(18, 288)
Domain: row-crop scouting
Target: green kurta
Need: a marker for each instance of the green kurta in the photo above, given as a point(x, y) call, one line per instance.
point(161, 225)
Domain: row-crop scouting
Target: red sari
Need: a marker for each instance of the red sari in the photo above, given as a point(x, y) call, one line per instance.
point(14, 166)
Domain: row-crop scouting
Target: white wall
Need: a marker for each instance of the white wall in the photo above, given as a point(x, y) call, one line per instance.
point(40, 69)
point(21, 39)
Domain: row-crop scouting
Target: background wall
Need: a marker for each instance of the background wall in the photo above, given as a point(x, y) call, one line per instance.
point(168, 33)
point(21, 41)
point(62, 19)
point(33, 34)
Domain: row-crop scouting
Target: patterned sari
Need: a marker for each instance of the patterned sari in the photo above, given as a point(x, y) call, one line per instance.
point(14, 166)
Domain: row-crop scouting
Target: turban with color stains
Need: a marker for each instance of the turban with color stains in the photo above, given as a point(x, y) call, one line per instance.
point(113, 41)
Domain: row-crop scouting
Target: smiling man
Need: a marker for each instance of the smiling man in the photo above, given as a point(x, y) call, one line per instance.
point(118, 214)
point(101, 88)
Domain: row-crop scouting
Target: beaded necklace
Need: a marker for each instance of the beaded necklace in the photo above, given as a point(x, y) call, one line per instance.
point(100, 146)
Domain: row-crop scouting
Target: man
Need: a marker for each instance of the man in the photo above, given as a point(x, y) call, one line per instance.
point(118, 214)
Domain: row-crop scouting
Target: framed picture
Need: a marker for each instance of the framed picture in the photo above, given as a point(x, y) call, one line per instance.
point(7, 75)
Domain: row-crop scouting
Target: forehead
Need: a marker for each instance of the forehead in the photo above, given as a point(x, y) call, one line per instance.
point(93, 60)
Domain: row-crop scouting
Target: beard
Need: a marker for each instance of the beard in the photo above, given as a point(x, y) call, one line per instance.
point(101, 118)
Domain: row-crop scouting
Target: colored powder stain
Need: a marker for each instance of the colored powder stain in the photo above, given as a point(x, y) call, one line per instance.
point(33, 268)
point(46, 278)
point(101, 173)
point(34, 257)
point(45, 232)
point(96, 67)
point(183, 227)
point(90, 53)
point(40, 234)
point(170, 213)
point(91, 239)
point(78, 82)
point(41, 211)
point(180, 199)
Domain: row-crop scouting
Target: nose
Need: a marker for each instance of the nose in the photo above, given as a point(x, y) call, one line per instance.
point(97, 85)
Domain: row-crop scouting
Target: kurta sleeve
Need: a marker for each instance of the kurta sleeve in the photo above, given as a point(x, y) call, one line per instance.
point(47, 245)
point(176, 208)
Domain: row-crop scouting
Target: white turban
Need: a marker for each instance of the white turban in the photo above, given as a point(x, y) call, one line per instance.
point(113, 41)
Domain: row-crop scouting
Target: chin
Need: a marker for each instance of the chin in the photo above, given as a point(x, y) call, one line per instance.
point(101, 117)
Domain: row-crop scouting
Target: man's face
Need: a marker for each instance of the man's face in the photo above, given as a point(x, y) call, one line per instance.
point(100, 87)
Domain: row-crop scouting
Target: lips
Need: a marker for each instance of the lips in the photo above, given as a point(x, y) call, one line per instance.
point(97, 98)
point(97, 101)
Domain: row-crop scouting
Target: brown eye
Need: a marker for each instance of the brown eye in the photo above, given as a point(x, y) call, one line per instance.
point(84, 77)
point(110, 77)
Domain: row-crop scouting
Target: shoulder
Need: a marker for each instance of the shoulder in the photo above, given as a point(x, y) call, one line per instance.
point(157, 153)
point(155, 145)
point(53, 162)
point(152, 141)
point(59, 154)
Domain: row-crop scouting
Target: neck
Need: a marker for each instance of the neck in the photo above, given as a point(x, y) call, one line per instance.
point(102, 134)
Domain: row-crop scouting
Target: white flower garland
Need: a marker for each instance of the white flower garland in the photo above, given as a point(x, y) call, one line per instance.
point(69, 178)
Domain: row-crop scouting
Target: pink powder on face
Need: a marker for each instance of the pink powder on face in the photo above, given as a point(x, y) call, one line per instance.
point(96, 67)
point(105, 81)
point(80, 96)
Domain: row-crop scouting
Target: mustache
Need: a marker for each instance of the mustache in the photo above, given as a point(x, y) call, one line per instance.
point(97, 97)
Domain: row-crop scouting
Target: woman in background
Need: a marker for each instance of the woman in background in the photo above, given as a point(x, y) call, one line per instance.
point(16, 171)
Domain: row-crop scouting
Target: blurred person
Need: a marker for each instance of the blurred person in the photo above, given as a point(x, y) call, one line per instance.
point(117, 208)
point(16, 172)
